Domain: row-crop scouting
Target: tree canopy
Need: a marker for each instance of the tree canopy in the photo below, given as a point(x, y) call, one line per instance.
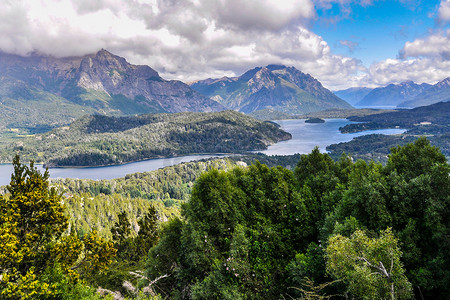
point(34, 239)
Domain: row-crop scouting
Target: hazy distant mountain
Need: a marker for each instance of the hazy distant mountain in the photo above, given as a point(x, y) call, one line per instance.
point(276, 87)
point(100, 82)
point(353, 95)
point(393, 94)
point(440, 92)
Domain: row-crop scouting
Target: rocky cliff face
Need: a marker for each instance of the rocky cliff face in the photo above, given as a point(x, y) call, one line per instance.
point(106, 82)
point(276, 87)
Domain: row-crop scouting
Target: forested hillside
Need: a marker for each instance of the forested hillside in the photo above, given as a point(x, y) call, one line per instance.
point(101, 140)
point(327, 228)
point(97, 203)
point(437, 114)
point(431, 121)
point(258, 232)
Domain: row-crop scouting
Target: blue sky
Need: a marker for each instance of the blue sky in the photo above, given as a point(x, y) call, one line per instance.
point(377, 31)
point(342, 43)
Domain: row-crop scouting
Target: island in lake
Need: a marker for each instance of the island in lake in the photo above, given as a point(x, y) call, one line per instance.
point(315, 120)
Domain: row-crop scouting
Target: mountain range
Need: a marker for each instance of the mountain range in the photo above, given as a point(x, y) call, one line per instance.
point(102, 82)
point(353, 95)
point(43, 92)
point(404, 95)
point(275, 87)
point(440, 92)
point(393, 94)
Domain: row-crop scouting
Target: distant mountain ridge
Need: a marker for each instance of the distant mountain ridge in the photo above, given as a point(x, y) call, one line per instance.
point(275, 87)
point(440, 92)
point(100, 82)
point(353, 95)
point(393, 94)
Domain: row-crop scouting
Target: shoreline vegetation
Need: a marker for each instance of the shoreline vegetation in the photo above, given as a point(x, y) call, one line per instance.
point(100, 140)
point(431, 121)
point(57, 148)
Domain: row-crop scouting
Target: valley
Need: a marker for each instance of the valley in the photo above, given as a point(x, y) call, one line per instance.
point(271, 215)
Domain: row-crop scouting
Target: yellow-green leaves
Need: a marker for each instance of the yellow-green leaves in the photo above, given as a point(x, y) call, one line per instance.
point(32, 227)
point(370, 267)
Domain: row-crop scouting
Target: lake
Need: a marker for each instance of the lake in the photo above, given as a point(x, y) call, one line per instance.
point(305, 136)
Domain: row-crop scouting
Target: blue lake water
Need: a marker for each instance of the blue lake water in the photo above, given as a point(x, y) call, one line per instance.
point(305, 136)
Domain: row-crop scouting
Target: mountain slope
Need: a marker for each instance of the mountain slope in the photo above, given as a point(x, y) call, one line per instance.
point(101, 82)
point(22, 105)
point(276, 87)
point(104, 140)
point(353, 95)
point(393, 94)
point(440, 92)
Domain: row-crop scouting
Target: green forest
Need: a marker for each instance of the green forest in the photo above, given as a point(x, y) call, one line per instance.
point(231, 229)
point(430, 121)
point(98, 140)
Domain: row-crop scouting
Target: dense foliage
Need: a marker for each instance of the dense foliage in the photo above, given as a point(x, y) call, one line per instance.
point(101, 140)
point(254, 232)
point(97, 204)
point(325, 229)
point(35, 246)
point(371, 267)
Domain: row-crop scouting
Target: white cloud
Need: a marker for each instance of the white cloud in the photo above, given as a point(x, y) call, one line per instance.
point(195, 39)
point(444, 12)
point(434, 45)
point(418, 70)
point(259, 14)
point(422, 60)
point(182, 39)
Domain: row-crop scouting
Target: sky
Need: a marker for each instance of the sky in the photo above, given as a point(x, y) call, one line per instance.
point(342, 43)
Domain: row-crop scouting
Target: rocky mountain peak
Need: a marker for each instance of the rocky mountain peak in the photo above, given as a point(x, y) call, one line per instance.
point(105, 71)
point(393, 94)
point(105, 82)
point(274, 86)
point(407, 83)
point(445, 82)
point(264, 78)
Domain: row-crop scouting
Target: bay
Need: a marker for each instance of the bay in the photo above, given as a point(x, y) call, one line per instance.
point(305, 136)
